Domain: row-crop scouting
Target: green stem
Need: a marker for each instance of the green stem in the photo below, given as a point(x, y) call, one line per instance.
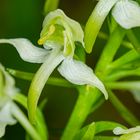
point(97, 104)
point(106, 138)
point(123, 73)
point(41, 125)
point(134, 85)
point(123, 111)
point(125, 43)
point(112, 24)
point(133, 40)
point(29, 76)
point(50, 5)
point(87, 96)
point(110, 50)
point(132, 55)
point(19, 115)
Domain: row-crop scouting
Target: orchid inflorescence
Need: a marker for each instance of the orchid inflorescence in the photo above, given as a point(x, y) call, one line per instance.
point(59, 37)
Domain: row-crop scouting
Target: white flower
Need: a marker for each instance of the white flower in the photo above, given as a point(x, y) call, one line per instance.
point(7, 90)
point(58, 37)
point(127, 13)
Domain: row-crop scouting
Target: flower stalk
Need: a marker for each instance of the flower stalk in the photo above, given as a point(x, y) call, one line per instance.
point(87, 96)
point(111, 48)
point(123, 111)
point(19, 115)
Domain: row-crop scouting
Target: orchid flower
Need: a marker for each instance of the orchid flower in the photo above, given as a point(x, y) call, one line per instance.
point(125, 12)
point(58, 37)
point(10, 113)
point(128, 134)
point(7, 90)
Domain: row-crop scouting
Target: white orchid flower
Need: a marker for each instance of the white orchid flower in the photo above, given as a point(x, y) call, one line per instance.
point(58, 37)
point(7, 90)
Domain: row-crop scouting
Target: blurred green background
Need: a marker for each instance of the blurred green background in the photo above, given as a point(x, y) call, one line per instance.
point(23, 18)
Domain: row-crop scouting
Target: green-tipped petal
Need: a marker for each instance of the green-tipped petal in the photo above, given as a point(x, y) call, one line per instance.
point(57, 17)
point(127, 13)
point(78, 73)
point(27, 51)
point(119, 130)
point(40, 80)
point(6, 118)
point(128, 134)
point(131, 136)
point(95, 22)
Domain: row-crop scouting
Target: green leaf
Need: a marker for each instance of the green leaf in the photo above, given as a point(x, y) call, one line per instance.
point(87, 133)
point(106, 126)
point(95, 128)
point(106, 138)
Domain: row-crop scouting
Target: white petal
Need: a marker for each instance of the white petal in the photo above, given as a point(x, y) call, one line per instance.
point(136, 95)
point(119, 130)
point(78, 73)
point(76, 29)
point(6, 118)
point(27, 51)
point(127, 13)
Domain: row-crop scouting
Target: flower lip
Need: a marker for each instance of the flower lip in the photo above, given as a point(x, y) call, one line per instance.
point(79, 73)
